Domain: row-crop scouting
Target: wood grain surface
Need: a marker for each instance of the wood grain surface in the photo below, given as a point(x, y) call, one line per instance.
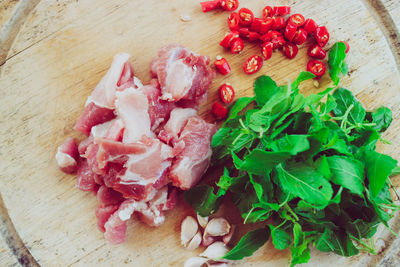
point(65, 47)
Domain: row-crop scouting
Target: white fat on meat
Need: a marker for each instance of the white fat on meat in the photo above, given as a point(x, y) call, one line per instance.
point(177, 120)
point(131, 107)
point(148, 167)
point(104, 93)
point(100, 130)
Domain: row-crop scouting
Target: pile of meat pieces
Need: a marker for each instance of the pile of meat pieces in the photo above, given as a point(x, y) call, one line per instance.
point(144, 141)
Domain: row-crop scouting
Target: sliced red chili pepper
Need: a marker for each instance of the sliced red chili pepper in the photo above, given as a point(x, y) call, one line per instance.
point(278, 24)
point(268, 12)
point(278, 42)
point(281, 10)
point(237, 46)
point(347, 46)
point(222, 65)
point(261, 26)
point(316, 51)
point(316, 67)
point(249, 35)
point(252, 64)
point(297, 20)
point(226, 93)
point(210, 5)
point(310, 25)
point(253, 36)
point(300, 36)
point(290, 50)
point(270, 35)
point(290, 31)
point(233, 21)
point(229, 5)
point(244, 32)
point(245, 16)
point(227, 41)
point(219, 110)
point(321, 36)
point(266, 50)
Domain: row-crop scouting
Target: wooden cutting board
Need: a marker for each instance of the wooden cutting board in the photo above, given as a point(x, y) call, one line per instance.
point(65, 47)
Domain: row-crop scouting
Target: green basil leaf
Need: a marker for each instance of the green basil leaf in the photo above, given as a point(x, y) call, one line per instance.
point(379, 167)
point(280, 238)
point(347, 172)
point(239, 105)
point(248, 244)
point(300, 253)
point(219, 137)
point(203, 200)
point(264, 89)
point(336, 61)
point(292, 144)
point(344, 100)
point(336, 241)
point(261, 162)
point(382, 117)
point(304, 76)
point(305, 182)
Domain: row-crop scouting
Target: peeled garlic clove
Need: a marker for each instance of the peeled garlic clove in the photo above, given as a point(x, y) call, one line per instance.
point(195, 262)
point(227, 238)
point(207, 240)
point(195, 242)
point(217, 227)
point(202, 220)
point(189, 229)
point(215, 251)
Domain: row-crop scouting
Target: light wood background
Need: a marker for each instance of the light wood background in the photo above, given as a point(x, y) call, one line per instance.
point(62, 50)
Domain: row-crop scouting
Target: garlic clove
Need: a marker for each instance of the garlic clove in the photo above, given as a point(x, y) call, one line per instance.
point(195, 242)
point(189, 229)
point(207, 240)
point(202, 220)
point(195, 262)
point(217, 227)
point(215, 251)
point(228, 237)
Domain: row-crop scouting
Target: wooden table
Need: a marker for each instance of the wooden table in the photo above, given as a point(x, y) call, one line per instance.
point(52, 54)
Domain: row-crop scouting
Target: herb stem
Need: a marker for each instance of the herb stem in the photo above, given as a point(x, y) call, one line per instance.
point(291, 212)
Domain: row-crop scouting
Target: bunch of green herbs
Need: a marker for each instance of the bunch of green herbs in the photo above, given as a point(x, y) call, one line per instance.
point(306, 166)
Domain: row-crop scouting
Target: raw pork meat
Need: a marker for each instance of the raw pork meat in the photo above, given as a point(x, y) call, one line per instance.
point(183, 75)
point(142, 140)
point(159, 109)
point(193, 150)
point(67, 156)
point(173, 127)
point(132, 108)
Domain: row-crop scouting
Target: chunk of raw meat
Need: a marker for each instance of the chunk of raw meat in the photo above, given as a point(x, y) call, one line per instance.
point(193, 150)
point(84, 144)
point(119, 75)
point(183, 75)
point(85, 179)
point(176, 122)
point(114, 151)
point(67, 156)
point(150, 212)
point(159, 110)
point(132, 108)
point(103, 214)
point(107, 196)
point(146, 172)
point(93, 115)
